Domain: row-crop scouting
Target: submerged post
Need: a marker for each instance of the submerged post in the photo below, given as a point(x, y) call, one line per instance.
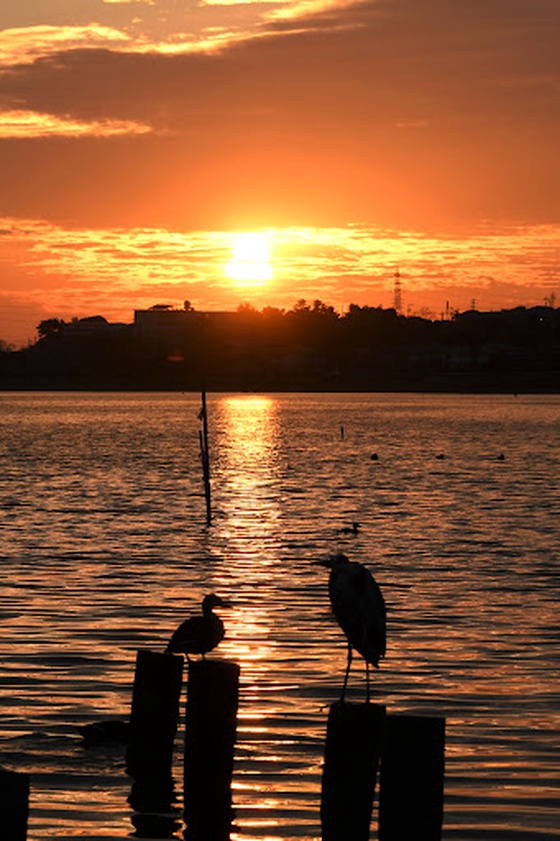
point(153, 725)
point(205, 457)
point(14, 805)
point(352, 751)
point(210, 730)
point(411, 779)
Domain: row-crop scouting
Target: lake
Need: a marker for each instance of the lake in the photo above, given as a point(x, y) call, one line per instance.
point(104, 549)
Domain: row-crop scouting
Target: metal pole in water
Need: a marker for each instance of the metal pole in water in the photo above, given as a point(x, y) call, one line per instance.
point(205, 457)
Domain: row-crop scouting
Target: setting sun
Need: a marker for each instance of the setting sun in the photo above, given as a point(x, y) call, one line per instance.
point(250, 263)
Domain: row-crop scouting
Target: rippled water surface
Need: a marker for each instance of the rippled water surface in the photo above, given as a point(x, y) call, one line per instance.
point(104, 549)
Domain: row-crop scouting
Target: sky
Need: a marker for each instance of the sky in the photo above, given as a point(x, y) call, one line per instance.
point(140, 138)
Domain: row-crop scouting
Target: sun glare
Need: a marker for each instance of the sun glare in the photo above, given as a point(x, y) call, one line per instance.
point(250, 262)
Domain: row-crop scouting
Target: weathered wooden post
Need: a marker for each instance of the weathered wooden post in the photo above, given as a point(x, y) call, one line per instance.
point(14, 805)
point(210, 730)
point(411, 779)
point(352, 751)
point(153, 725)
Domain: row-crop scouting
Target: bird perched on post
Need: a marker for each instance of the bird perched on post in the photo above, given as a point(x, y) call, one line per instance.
point(358, 605)
point(199, 634)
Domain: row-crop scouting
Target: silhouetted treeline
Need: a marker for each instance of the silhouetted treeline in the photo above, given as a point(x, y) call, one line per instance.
point(309, 347)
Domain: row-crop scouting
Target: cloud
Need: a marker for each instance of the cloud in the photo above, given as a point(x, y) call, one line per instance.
point(380, 111)
point(26, 44)
point(31, 124)
point(56, 271)
point(411, 59)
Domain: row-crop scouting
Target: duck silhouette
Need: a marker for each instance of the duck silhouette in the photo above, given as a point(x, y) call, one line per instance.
point(353, 529)
point(199, 634)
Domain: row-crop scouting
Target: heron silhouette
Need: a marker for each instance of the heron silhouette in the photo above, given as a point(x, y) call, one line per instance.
point(358, 605)
point(199, 634)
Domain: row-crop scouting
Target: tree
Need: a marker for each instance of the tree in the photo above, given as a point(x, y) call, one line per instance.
point(300, 306)
point(319, 308)
point(50, 328)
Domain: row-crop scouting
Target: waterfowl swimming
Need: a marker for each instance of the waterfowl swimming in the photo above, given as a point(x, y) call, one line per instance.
point(199, 634)
point(353, 529)
point(108, 731)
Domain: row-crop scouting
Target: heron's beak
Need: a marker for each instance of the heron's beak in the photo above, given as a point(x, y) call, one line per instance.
point(324, 563)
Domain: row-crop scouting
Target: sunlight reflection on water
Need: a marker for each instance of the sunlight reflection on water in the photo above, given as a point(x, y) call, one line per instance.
point(104, 550)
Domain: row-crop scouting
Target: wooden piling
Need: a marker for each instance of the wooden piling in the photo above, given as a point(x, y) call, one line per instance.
point(210, 730)
point(352, 751)
point(14, 805)
point(154, 716)
point(411, 779)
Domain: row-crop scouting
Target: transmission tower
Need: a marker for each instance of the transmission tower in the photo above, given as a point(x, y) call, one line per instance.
point(397, 292)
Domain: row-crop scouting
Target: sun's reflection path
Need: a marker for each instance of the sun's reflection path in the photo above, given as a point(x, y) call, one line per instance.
point(247, 535)
point(246, 465)
point(246, 530)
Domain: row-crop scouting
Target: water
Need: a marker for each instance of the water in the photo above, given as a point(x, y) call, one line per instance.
point(104, 550)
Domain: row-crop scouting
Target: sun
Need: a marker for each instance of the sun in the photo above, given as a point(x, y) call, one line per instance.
point(250, 261)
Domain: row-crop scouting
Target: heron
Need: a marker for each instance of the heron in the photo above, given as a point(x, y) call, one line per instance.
point(359, 608)
point(199, 634)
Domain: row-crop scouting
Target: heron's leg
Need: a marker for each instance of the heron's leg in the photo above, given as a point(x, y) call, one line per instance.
point(367, 682)
point(347, 672)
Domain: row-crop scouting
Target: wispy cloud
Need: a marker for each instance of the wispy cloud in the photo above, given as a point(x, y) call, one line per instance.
point(133, 259)
point(24, 45)
point(32, 125)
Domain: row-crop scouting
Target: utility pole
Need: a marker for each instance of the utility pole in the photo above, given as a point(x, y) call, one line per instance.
point(397, 292)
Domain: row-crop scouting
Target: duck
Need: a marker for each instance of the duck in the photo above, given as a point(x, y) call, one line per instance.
point(199, 634)
point(353, 529)
point(108, 731)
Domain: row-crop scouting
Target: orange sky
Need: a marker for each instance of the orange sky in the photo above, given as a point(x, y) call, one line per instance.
point(136, 136)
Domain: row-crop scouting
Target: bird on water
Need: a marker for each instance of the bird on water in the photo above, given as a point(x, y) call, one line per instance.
point(359, 608)
point(199, 634)
point(353, 529)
